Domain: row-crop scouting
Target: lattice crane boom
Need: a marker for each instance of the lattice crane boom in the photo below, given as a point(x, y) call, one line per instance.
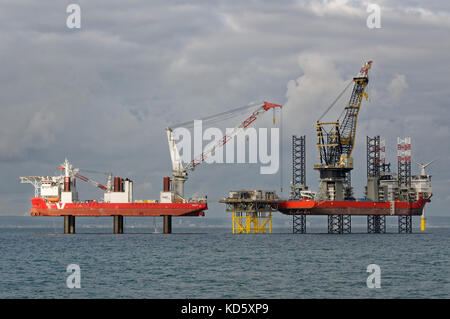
point(240, 127)
point(180, 171)
point(337, 139)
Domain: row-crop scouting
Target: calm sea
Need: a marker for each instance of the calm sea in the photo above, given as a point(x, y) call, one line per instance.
point(205, 260)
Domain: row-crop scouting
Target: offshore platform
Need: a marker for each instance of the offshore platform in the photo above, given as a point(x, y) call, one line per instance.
point(252, 210)
point(58, 196)
point(387, 194)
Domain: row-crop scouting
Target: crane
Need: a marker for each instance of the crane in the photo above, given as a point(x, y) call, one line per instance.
point(69, 171)
point(88, 180)
point(336, 141)
point(179, 171)
point(336, 144)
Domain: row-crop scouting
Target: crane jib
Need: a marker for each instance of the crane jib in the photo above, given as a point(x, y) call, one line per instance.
point(336, 143)
point(265, 106)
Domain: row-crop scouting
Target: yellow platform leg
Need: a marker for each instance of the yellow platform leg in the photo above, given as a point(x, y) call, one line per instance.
point(248, 223)
point(239, 226)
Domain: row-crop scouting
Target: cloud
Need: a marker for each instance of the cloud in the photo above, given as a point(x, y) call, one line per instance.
point(102, 95)
point(332, 7)
point(311, 93)
point(397, 86)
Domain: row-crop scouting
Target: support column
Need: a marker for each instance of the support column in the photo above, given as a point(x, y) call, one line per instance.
point(405, 224)
point(334, 224)
point(118, 224)
point(299, 224)
point(167, 224)
point(71, 224)
point(346, 224)
point(66, 224)
point(376, 224)
point(339, 224)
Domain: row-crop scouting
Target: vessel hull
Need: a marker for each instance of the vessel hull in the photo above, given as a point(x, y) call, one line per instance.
point(309, 207)
point(96, 209)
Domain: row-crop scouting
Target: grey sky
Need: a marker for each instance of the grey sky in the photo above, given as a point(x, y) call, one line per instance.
point(102, 95)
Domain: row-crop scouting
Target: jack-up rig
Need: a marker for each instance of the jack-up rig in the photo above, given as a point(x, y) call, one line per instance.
point(58, 196)
point(386, 194)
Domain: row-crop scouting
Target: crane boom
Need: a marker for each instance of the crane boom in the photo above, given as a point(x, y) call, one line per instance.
point(336, 144)
point(177, 164)
point(336, 141)
point(242, 126)
point(83, 178)
point(180, 172)
point(88, 180)
point(347, 130)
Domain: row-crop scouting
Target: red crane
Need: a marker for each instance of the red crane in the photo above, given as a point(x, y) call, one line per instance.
point(85, 179)
point(179, 172)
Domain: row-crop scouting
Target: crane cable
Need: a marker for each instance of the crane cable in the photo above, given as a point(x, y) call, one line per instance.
point(281, 151)
point(334, 102)
point(94, 172)
point(219, 117)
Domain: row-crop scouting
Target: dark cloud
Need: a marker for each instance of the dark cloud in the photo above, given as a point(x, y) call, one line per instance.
point(103, 95)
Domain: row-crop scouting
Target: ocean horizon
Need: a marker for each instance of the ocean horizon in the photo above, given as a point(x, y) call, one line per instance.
point(207, 261)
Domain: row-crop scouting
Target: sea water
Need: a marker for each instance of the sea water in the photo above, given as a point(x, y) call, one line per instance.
point(208, 261)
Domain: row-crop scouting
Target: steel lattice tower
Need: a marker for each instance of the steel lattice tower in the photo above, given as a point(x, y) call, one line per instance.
point(339, 224)
point(404, 180)
point(404, 162)
point(405, 224)
point(376, 224)
point(299, 223)
point(347, 184)
point(298, 161)
point(373, 156)
point(298, 180)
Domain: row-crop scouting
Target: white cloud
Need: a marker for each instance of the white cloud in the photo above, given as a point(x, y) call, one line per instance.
point(310, 94)
point(103, 95)
point(333, 7)
point(397, 86)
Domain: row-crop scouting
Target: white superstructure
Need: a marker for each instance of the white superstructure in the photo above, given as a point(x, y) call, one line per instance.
point(62, 188)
